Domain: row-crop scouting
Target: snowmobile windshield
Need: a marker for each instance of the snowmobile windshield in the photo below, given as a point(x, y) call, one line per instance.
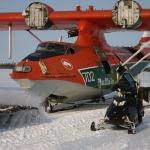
point(130, 79)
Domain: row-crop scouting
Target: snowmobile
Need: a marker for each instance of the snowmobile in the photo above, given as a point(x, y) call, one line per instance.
point(126, 109)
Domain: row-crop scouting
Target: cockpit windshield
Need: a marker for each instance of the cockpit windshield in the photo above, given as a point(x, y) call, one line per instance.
point(41, 47)
point(58, 49)
point(46, 50)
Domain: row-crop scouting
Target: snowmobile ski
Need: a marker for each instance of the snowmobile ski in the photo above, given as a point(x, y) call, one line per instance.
point(101, 126)
point(105, 124)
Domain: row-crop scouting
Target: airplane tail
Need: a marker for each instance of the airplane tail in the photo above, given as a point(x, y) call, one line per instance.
point(145, 37)
point(143, 44)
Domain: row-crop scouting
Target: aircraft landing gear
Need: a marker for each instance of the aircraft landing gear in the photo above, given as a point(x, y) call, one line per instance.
point(51, 102)
point(49, 105)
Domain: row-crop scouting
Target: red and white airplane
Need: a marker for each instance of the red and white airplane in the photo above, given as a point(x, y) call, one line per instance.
point(66, 72)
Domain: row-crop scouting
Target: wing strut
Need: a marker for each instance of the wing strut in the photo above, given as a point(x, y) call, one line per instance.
point(130, 58)
point(34, 36)
point(148, 54)
point(10, 42)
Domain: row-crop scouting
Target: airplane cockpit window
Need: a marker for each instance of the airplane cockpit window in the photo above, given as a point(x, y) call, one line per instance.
point(58, 49)
point(46, 50)
point(41, 47)
point(70, 50)
point(51, 47)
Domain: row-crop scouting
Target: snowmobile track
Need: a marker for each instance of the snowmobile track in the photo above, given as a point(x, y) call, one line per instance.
point(18, 116)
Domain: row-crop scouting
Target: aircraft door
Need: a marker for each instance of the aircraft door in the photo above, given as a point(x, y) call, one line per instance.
point(104, 60)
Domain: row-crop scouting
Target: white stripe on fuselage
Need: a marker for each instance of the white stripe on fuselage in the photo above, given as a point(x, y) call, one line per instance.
point(71, 90)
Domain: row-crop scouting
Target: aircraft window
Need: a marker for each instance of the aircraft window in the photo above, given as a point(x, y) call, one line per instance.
point(51, 47)
point(45, 50)
point(41, 47)
point(70, 50)
point(57, 48)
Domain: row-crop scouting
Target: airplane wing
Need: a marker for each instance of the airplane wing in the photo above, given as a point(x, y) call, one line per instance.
point(40, 16)
point(101, 18)
point(16, 20)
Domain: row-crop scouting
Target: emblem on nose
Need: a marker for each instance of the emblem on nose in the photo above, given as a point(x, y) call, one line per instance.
point(67, 64)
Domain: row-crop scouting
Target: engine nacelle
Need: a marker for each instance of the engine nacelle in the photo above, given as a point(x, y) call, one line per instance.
point(36, 16)
point(126, 13)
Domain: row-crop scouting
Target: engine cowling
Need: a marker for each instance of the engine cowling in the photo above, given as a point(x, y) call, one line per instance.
point(126, 13)
point(36, 16)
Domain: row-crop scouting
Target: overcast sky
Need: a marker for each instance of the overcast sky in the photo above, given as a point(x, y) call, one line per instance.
point(23, 43)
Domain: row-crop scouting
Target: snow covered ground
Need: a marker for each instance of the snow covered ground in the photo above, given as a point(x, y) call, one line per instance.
point(68, 130)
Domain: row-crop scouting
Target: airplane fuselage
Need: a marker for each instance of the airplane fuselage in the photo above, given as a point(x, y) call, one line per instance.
point(70, 71)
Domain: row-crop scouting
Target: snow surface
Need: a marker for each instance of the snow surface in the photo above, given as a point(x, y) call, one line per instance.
point(143, 77)
point(69, 130)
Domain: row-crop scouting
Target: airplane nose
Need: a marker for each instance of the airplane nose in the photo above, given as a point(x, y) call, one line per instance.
point(23, 68)
point(20, 71)
point(20, 74)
